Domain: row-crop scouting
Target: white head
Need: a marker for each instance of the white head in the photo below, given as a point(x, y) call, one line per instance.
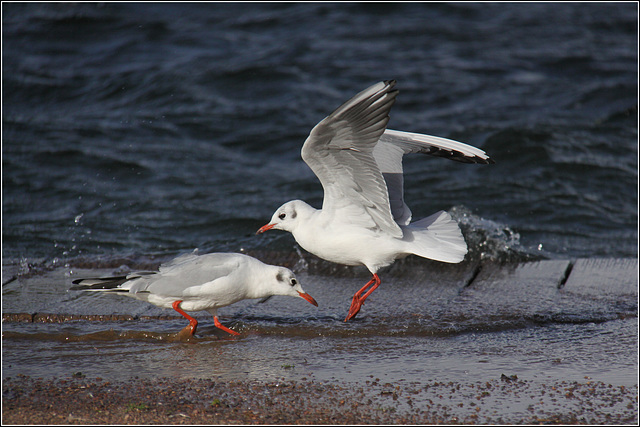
point(287, 216)
point(282, 281)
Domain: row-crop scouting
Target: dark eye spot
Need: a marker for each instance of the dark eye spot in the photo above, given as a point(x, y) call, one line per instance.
point(294, 282)
point(282, 216)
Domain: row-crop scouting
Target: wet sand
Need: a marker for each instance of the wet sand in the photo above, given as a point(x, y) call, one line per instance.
point(80, 400)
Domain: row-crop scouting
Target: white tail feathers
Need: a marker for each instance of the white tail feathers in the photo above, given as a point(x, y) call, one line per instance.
point(436, 237)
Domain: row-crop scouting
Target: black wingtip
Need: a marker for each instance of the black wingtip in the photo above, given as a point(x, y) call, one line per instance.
point(487, 161)
point(98, 283)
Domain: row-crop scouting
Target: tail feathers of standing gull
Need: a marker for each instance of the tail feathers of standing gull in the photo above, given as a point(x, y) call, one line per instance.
point(106, 284)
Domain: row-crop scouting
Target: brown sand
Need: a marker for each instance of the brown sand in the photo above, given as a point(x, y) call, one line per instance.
point(79, 400)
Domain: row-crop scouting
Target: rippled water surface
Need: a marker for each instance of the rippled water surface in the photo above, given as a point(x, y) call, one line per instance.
point(134, 129)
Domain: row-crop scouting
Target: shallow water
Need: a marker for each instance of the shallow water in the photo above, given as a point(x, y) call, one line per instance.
point(411, 329)
point(135, 132)
point(260, 355)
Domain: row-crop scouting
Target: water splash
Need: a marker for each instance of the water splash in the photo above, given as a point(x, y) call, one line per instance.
point(492, 241)
point(301, 265)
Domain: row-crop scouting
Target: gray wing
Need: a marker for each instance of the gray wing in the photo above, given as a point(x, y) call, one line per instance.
point(339, 150)
point(435, 146)
point(186, 271)
point(395, 144)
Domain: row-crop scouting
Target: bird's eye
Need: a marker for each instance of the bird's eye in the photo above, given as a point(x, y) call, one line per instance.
point(294, 282)
point(282, 216)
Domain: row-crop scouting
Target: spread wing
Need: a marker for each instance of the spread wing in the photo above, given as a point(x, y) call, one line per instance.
point(339, 150)
point(395, 144)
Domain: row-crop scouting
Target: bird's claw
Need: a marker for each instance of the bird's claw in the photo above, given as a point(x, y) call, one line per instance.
point(356, 304)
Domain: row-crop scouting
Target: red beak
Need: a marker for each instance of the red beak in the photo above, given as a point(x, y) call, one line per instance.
point(265, 228)
point(308, 298)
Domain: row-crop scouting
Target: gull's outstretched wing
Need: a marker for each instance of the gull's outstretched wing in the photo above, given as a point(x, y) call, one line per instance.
point(394, 144)
point(339, 150)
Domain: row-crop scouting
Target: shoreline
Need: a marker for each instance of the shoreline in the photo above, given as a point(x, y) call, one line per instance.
point(508, 400)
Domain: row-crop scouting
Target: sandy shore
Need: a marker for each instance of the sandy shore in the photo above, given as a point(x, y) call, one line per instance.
point(80, 400)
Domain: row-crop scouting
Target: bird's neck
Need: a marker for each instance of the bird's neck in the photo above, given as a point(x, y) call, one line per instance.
point(306, 214)
point(308, 229)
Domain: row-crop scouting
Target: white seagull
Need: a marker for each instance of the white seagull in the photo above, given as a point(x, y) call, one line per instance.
point(207, 282)
point(364, 219)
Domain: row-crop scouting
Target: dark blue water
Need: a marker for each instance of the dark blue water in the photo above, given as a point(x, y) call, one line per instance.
point(143, 130)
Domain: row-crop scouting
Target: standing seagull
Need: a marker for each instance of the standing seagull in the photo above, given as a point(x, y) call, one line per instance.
point(364, 219)
point(202, 282)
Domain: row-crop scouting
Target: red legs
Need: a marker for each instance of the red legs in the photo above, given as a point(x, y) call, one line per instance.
point(193, 323)
point(188, 331)
point(221, 326)
point(358, 299)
